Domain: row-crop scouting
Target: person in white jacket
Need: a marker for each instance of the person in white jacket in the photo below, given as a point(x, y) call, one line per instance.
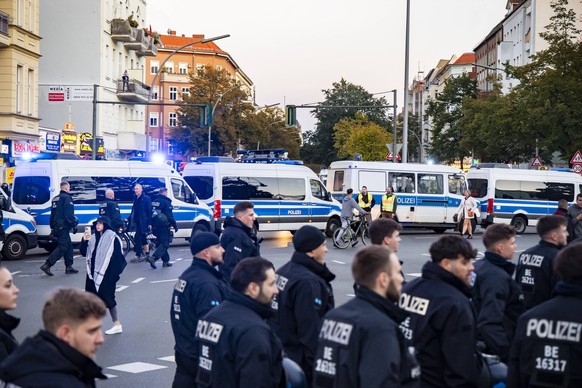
point(468, 209)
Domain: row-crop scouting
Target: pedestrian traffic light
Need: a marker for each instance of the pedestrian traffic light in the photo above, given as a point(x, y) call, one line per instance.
point(206, 115)
point(290, 116)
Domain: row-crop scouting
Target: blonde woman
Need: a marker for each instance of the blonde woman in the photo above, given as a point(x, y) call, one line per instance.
point(467, 210)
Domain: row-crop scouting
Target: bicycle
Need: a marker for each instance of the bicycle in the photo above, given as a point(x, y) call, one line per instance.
point(128, 241)
point(349, 234)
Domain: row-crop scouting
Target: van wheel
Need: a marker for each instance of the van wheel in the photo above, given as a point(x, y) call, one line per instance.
point(439, 230)
point(14, 247)
point(519, 223)
point(332, 225)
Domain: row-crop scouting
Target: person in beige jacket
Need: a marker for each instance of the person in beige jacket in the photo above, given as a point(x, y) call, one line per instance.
point(468, 209)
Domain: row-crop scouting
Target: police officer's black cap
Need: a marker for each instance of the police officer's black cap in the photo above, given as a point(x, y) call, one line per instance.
point(201, 241)
point(308, 238)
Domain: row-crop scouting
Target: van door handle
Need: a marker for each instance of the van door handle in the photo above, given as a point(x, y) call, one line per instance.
point(176, 207)
point(34, 214)
point(304, 203)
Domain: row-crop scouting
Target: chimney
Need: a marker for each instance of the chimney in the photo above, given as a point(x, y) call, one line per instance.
point(171, 32)
point(198, 36)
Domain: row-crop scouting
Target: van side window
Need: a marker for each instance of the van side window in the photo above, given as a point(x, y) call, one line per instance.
point(248, 188)
point(122, 187)
point(151, 186)
point(182, 192)
point(557, 191)
point(317, 190)
point(430, 184)
point(338, 181)
point(375, 180)
point(402, 182)
point(533, 191)
point(202, 185)
point(478, 187)
point(83, 189)
point(31, 190)
point(292, 189)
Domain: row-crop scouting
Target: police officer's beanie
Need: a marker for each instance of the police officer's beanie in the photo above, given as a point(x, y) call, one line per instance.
point(202, 240)
point(307, 238)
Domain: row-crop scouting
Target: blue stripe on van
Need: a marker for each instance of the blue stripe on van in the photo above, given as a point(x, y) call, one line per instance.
point(517, 206)
point(281, 208)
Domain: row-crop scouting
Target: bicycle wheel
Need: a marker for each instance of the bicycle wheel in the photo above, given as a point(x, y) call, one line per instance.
point(125, 243)
point(152, 242)
point(344, 241)
point(365, 235)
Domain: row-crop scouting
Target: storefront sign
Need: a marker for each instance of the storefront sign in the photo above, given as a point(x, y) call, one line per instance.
point(18, 148)
point(53, 142)
point(69, 142)
point(86, 144)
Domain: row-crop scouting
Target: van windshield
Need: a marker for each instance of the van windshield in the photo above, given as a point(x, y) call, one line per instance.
point(31, 190)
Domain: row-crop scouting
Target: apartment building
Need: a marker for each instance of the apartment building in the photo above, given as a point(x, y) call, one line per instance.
point(19, 64)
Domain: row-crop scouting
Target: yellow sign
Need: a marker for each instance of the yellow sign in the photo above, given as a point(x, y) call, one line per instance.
point(10, 175)
point(69, 142)
point(69, 127)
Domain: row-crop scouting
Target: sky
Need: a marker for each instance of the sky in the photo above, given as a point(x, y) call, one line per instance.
point(292, 50)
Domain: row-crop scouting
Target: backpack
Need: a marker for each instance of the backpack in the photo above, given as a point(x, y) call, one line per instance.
point(159, 219)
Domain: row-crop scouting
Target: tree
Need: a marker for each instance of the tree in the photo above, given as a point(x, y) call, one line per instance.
point(319, 145)
point(360, 136)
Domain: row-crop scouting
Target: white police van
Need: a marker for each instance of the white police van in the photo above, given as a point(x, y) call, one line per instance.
point(427, 195)
point(520, 197)
point(19, 228)
point(37, 182)
point(285, 196)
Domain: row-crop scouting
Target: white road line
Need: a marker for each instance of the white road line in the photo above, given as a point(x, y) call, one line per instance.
point(183, 250)
point(15, 272)
point(137, 367)
point(23, 276)
point(163, 281)
point(425, 254)
point(110, 376)
point(35, 261)
point(414, 274)
point(352, 295)
point(337, 261)
point(168, 358)
point(121, 288)
point(138, 280)
point(77, 256)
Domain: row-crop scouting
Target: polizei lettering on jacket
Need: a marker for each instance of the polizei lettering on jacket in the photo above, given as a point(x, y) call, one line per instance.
point(529, 259)
point(209, 331)
point(281, 282)
point(555, 330)
point(336, 331)
point(414, 304)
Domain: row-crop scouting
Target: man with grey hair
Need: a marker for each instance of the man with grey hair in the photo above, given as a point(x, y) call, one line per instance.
point(110, 209)
point(140, 221)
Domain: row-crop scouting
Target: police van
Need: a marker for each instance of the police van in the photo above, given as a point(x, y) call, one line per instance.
point(285, 196)
point(37, 182)
point(520, 197)
point(427, 195)
point(19, 228)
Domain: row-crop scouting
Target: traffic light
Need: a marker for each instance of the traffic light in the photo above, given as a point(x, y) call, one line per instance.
point(290, 116)
point(206, 115)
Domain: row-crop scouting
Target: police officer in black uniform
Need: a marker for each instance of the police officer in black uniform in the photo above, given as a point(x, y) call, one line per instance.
point(497, 298)
point(305, 296)
point(62, 222)
point(162, 220)
point(442, 324)
point(547, 349)
point(237, 348)
point(534, 272)
point(109, 208)
point(199, 289)
point(360, 343)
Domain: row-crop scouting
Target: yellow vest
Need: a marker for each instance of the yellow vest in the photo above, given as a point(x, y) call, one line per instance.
point(361, 202)
point(388, 203)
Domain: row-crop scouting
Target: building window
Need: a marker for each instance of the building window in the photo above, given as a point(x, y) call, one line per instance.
point(169, 67)
point(154, 67)
point(218, 67)
point(19, 91)
point(154, 116)
point(173, 93)
point(155, 91)
point(173, 120)
point(4, 23)
point(30, 92)
point(185, 92)
point(183, 68)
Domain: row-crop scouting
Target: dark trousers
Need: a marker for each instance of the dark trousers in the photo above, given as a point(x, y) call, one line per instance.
point(140, 240)
point(162, 245)
point(63, 249)
point(186, 369)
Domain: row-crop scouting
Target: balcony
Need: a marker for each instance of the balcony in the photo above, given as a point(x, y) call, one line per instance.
point(139, 44)
point(132, 91)
point(121, 31)
point(175, 77)
point(151, 50)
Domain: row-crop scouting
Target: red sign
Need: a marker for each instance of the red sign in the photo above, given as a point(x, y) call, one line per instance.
point(537, 162)
point(577, 158)
point(389, 156)
point(577, 168)
point(56, 97)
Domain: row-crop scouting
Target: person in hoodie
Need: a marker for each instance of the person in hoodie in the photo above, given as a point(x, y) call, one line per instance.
point(442, 325)
point(497, 298)
point(360, 343)
point(8, 295)
point(305, 296)
point(534, 272)
point(547, 349)
point(162, 220)
point(236, 346)
point(63, 354)
point(238, 238)
point(349, 204)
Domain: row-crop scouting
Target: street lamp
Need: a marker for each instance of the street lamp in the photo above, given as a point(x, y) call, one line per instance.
point(206, 40)
point(406, 64)
point(214, 109)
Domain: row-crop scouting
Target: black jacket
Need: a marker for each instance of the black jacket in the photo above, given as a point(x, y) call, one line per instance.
point(305, 296)
point(360, 345)
point(534, 273)
point(548, 342)
point(238, 242)
point(199, 289)
point(109, 208)
point(163, 205)
point(62, 212)
point(498, 302)
point(442, 327)
point(141, 214)
point(237, 348)
point(46, 361)
point(7, 342)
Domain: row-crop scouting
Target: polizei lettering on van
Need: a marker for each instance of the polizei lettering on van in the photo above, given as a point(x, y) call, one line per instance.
point(209, 331)
point(555, 330)
point(336, 331)
point(414, 304)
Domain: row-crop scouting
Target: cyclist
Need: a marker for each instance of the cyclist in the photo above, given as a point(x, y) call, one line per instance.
point(348, 206)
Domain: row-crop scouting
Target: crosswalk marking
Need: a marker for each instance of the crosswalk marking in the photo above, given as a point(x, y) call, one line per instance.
point(137, 367)
point(137, 280)
point(163, 281)
point(121, 288)
point(168, 358)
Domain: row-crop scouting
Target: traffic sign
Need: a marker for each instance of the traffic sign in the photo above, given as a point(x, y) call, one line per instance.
point(577, 168)
point(577, 158)
point(389, 156)
point(537, 162)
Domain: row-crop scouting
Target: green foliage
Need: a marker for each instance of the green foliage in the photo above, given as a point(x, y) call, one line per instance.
point(360, 135)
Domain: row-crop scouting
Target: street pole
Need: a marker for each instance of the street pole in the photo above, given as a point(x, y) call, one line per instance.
point(420, 129)
point(148, 126)
point(94, 131)
point(394, 151)
point(406, 61)
point(213, 110)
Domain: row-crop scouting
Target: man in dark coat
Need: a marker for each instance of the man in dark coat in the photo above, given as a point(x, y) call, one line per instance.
point(162, 221)
point(199, 289)
point(140, 221)
point(497, 299)
point(305, 296)
point(442, 325)
point(110, 209)
point(360, 343)
point(62, 354)
point(237, 348)
point(534, 272)
point(547, 349)
point(62, 222)
point(238, 239)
